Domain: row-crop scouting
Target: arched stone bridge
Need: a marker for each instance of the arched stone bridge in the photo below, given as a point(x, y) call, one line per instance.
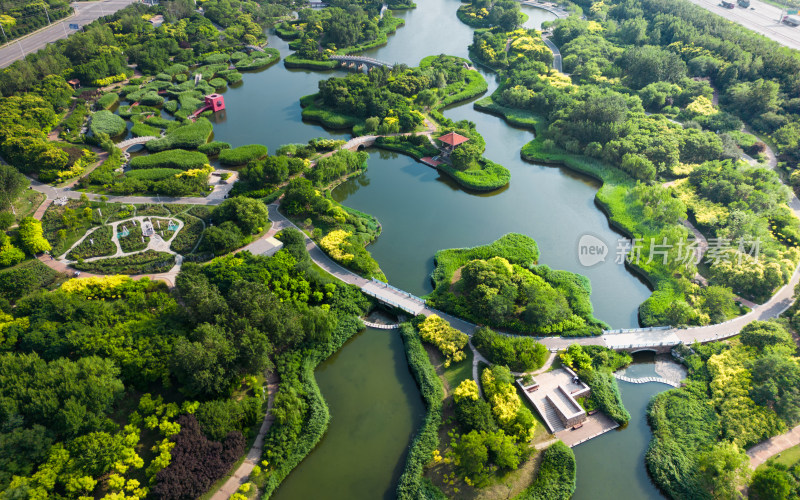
point(124, 145)
point(357, 62)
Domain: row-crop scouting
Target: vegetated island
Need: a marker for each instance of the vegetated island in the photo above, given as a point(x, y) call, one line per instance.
point(401, 104)
point(342, 28)
point(500, 285)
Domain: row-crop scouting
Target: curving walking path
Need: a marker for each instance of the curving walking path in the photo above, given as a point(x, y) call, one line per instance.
point(644, 380)
point(762, 452)
point(242, 473)
point(557, 60)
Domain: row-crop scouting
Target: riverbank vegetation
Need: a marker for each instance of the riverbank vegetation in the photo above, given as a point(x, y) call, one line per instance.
point(738, 394)
point(501, 285)
point(595, 366)
point(614, 119)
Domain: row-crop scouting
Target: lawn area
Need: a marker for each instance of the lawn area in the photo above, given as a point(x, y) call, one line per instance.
point(788, 457)
point(27, 204)
point(458, 372)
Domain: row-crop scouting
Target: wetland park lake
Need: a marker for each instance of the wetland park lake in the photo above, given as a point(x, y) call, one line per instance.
point(374, 404)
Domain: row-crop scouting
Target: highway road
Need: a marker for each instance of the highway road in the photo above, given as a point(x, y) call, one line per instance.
point(760, 17)
point(85, 13)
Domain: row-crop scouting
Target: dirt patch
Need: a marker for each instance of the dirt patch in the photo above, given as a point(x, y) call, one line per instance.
point(456, 276)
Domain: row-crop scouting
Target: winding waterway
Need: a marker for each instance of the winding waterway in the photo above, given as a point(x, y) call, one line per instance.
point(374, 404)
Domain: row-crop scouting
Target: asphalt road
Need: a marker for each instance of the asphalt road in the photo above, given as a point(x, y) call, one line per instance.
point(760, 17)
point(85, 13)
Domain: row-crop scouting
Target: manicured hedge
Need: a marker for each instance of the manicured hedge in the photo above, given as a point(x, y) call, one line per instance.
point(153, 174)
point(148, 262)
point(142, 130)
point(187, 136)
point(187, 238)
point(242, 154)
point(171, 106)
point(218, 83)
point(556, 477)
point(97, 244)
point(151, 98)
point(231, 76)
point(108, 100)
point(106, 122)
point(258, 60)
point(427, 439)
point(175, 158)
point(295, 61)
point(213, 148)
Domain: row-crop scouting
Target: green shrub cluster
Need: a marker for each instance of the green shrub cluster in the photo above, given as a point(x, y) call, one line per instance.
point(97, 244)
point(188, 237)
point(188, 136)
point(154, 174)
point(213, 148)
point(106, 122)
point(502, 293)
point(258, 60)
point(172, 159)
point(427, 439)
point(28, 277)
point(108, 100)
point(605, 392)
point(518, 353)
point(242, 155)
point(218, 83)
point(556, 477)
point(488, 177)
point(133, 242)
point(148, 262)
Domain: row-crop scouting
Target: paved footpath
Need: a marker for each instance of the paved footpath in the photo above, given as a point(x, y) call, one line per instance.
point(761, 452)
point(242, 473)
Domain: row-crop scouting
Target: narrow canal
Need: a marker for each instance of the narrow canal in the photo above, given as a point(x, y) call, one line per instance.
point(374, 404)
